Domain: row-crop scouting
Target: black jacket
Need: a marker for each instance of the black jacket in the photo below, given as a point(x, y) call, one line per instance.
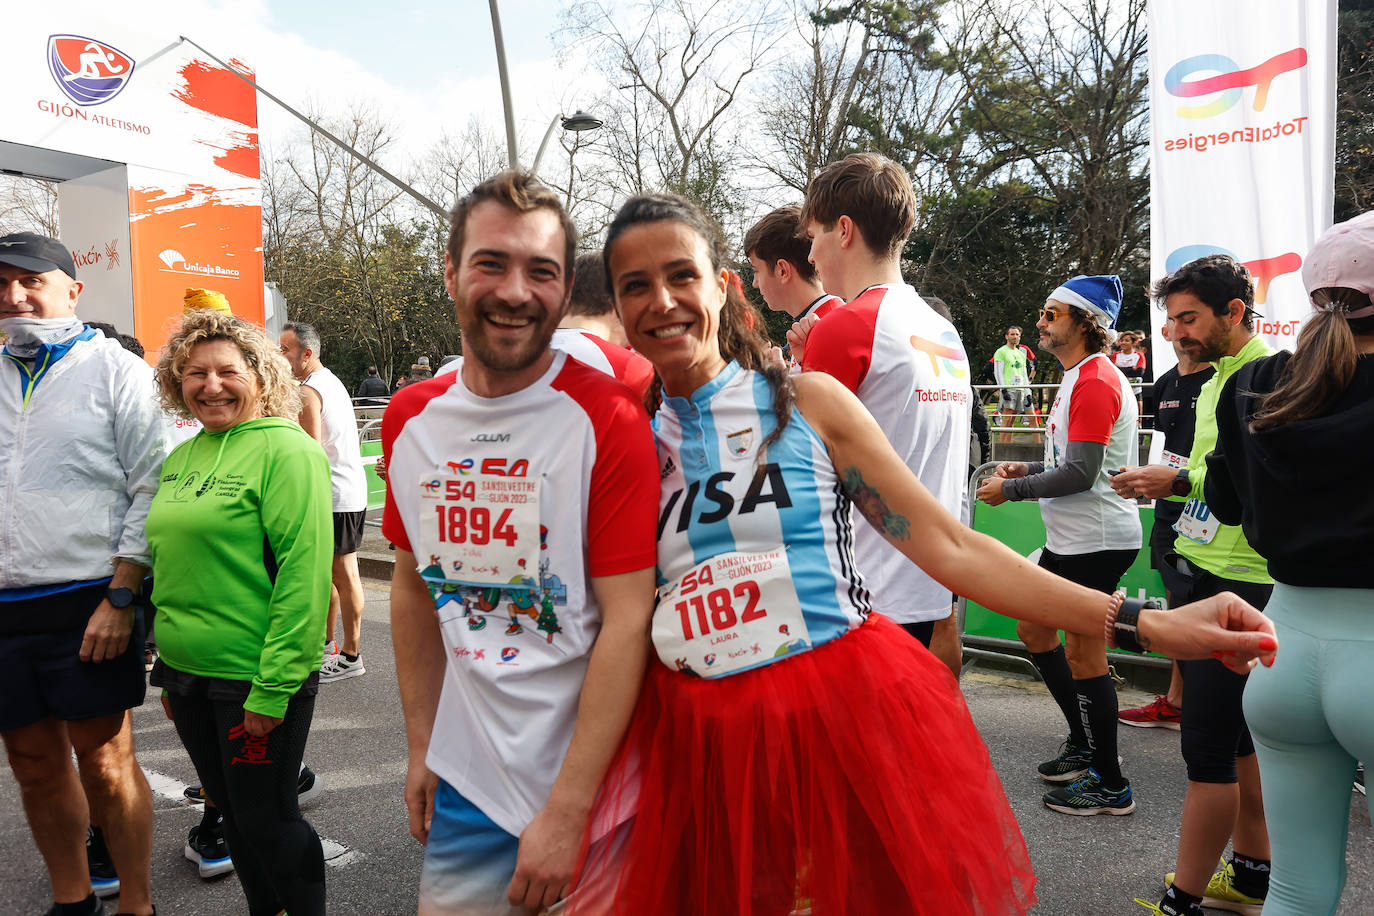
point(372, 387)
point(1298, 490)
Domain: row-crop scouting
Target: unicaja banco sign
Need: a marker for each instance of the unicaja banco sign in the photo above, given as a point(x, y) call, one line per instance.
point(1227, 82)
point(89, 72)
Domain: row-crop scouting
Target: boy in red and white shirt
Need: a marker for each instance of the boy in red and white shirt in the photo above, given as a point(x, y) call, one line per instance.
point(903, 360)
point(783, 273)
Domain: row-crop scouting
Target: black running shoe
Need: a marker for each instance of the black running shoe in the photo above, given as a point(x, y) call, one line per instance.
point(93, 904)
point(104, 881)
point(194, 794)
point(1071, 763)
point(309, 787)
point(205, 846)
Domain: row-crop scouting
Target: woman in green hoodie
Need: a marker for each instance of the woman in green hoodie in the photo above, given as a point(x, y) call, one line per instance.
point(241, 538)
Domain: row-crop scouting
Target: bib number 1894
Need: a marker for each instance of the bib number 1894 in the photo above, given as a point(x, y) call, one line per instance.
point(473, 525)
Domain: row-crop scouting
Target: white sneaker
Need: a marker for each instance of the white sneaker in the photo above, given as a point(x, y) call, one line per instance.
point(331, 650)
point(339, 668)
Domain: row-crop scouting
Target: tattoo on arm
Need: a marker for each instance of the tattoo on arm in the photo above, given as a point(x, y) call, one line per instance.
point(871, 503)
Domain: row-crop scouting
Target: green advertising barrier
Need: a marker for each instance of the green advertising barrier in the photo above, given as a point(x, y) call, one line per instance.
point(376, 488)
point(1018, 525)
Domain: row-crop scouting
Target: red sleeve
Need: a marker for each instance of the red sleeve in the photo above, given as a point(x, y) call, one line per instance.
point(1095, 404)
point(841, 345)
point(403, 406)
point(622, 504)
point(631, 368)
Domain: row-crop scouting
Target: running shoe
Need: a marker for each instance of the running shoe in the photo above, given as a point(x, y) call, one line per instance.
point(149, 656)
point(104, 881)
point(1359, 779)
point(93, 904)
point(194, 794)
point(1071, 763)
point(340, 668)
point(331, 650)
point(205, 846)
point(1158, 713)
point(1221, 893)
point(1154, 908)
point(309, 787)
point(1087, 796)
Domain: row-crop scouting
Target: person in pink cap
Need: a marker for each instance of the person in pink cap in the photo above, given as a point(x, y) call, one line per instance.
point(1281, 421)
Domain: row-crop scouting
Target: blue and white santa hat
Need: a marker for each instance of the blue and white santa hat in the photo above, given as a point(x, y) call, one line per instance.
point(1099, 296)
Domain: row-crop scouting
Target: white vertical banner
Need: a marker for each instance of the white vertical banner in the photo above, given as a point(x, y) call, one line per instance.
point(1242, 121)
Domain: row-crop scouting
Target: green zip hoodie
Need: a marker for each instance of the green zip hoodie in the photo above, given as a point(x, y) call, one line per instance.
point(1228, 555)
point(242, 540)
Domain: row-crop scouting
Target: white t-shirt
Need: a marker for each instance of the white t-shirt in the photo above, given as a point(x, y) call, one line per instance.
point(908, 366)
point(1093, 404)
point(572, 466)
point(339, 436)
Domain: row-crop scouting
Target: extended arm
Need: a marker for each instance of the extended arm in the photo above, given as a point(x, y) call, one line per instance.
point(419, 650)
point(550, 844)
point(890, 497)
point(1075, 474)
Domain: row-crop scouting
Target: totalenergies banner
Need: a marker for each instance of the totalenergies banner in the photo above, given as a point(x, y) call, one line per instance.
point(1242, 111)
point(184, 129)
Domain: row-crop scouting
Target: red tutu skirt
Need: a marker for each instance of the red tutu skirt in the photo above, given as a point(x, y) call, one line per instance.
point(844, 781)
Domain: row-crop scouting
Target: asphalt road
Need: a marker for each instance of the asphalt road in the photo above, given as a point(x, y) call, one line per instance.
point(1085, 865)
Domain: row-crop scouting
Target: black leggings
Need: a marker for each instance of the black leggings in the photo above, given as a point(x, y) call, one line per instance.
point(276, 852)
point(1212, 733)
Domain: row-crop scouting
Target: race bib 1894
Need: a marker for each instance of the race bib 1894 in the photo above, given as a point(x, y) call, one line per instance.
point(481, 528)
point(735, 611)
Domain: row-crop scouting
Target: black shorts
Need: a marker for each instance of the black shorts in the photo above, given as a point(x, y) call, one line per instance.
point(1101, 569)
point(348, 531)
point(42, 674)
point(1212, 731)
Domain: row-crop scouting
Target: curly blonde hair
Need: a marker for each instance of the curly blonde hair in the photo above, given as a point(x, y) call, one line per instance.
point(279, 393)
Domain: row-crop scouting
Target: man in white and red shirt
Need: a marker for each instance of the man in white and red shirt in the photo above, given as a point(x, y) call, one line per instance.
point(591, 331)
point(522, 499)
point(1091, 535)
point(783, 272)
point(904, 361)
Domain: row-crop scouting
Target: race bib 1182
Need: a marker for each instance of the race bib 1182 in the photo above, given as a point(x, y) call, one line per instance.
point(735, 611)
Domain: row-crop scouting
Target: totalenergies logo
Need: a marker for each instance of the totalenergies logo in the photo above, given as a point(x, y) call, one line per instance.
point(1228, 81)
point(1264, 270)
point(89, 72)
point(947, 352)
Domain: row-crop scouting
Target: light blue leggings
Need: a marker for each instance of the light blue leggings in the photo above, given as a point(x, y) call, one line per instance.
point(1311, 720)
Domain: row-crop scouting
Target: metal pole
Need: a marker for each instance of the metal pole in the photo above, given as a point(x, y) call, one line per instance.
point(534, 169)
point(320, 130)
point(511, 151)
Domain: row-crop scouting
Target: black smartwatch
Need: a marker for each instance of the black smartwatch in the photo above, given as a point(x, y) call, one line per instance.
point(1126, 629)
point(1180, 486)
point(120, 597)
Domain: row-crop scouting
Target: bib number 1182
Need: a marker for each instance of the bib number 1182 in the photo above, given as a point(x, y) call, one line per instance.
point(715, 610)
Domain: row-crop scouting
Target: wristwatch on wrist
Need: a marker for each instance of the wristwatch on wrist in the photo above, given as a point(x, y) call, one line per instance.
point(119, 597)
point(1126, 623)
point(1180, 486)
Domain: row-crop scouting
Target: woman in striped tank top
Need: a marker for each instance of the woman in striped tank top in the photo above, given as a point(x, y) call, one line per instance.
point(794, 752)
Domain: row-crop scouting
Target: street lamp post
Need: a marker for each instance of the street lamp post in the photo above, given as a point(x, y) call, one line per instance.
point(577, 121)
point(511, 152)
